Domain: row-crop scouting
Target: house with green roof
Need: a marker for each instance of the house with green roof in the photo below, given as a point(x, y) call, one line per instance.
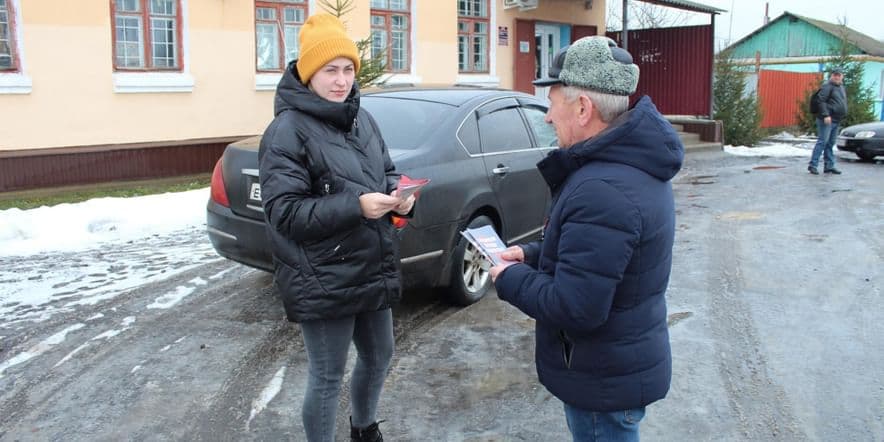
point(794, 43)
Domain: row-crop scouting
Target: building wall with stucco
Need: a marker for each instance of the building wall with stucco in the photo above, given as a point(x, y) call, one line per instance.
point(66, 92)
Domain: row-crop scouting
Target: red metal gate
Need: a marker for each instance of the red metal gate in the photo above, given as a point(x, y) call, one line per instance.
point(676, 67)
point(780, 93)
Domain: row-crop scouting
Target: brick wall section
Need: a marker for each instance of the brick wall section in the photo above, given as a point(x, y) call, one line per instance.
point(55, 167)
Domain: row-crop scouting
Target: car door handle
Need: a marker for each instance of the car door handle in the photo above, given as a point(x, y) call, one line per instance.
point(500, 170)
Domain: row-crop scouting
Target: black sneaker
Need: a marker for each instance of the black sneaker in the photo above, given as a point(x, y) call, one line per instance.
point(833, 171)
point(812, 170)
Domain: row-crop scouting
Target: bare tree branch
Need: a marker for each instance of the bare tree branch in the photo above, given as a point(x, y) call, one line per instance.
point(643, 16)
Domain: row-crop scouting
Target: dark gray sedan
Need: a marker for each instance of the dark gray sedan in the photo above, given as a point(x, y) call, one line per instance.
point(865, 140)
point(479, 148)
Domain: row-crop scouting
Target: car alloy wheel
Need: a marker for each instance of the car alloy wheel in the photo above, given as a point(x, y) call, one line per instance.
point(474, 269)
point(470, 279)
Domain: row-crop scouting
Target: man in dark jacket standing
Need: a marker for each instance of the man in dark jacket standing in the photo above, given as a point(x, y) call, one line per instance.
point(833, 107)
point(596, 283)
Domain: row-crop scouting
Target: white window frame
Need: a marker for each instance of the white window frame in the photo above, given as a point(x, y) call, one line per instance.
point(490, 79)
point(151, 82)
point(267, 81)
point(17, 82)
point(279, 33)
point(469, 40)
point(410, 41)
point(411, 77)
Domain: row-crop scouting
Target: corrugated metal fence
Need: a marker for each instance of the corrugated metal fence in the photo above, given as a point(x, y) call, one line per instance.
point(676, 67)
point(780, 93)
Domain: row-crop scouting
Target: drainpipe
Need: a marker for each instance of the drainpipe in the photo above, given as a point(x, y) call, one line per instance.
point(712, 70)
point(624, 43)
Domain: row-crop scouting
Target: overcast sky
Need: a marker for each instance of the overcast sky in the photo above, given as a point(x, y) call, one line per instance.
point(745, 16)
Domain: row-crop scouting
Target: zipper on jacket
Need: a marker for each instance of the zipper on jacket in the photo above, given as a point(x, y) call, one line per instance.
point(381, 244)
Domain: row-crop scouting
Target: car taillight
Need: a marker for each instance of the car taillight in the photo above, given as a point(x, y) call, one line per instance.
point(399, 222)
point(219, 194)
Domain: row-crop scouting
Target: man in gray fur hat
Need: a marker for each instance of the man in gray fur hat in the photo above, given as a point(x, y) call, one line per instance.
point(596, 282)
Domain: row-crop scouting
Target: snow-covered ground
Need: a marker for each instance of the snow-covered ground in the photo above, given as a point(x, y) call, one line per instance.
point(91, 224)
point(87, 225)
point(55, 258)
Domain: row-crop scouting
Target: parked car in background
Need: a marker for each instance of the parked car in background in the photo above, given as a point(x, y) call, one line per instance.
point(865, 140)
point(479, 147)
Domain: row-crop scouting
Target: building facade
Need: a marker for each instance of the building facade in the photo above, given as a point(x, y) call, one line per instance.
point(98, 75)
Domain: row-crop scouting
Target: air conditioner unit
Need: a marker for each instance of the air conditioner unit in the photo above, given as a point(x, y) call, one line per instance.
point(523, 5)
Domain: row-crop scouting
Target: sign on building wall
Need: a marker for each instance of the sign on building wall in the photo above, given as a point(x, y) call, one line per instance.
point(503, 36)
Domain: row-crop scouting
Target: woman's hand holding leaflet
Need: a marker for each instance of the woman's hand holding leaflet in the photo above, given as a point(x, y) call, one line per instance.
point(405, 205)
point(375, 205)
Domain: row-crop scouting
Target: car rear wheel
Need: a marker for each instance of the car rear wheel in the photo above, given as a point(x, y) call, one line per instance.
point(470, 279)
point(865, 156)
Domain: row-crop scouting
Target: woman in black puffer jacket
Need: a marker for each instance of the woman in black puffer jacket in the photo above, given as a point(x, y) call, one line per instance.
point(327, 185)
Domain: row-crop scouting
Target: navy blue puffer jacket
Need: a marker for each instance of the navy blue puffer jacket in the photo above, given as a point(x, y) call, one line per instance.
point(596, 284)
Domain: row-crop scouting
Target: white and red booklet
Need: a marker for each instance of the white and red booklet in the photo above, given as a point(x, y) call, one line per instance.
point(409, 186)
point(489, 244)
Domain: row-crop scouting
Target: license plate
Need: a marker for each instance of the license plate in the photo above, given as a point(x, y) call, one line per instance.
point(842, 142)
point(255, 192)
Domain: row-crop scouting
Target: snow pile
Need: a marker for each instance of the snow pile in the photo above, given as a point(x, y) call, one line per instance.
point(69, 227)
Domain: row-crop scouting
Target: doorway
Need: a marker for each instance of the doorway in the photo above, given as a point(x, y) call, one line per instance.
point(547, 42)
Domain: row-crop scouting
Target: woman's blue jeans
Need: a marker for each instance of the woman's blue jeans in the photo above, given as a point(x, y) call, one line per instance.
point(612, 426)
point(327, 343)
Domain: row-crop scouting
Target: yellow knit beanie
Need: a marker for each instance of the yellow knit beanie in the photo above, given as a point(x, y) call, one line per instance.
point(322, 39)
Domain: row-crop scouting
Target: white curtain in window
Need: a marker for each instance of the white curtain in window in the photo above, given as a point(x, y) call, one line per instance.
point(267, 48)
point(378, 44)
point(291, 42)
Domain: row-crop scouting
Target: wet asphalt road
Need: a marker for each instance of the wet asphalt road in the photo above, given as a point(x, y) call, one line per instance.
point(774, 317)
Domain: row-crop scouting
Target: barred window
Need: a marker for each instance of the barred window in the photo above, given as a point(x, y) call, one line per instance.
point(390, 32)
point(472, 36)
point(277, 24)
point(147, 35)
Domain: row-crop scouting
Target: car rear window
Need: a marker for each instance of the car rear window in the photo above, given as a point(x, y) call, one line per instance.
point(404, 123)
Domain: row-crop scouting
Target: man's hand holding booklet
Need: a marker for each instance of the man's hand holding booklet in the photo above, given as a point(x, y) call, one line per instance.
point(489, 244)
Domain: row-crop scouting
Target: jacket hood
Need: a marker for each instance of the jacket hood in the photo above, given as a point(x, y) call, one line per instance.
point(292, 94)
point(640, 138)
